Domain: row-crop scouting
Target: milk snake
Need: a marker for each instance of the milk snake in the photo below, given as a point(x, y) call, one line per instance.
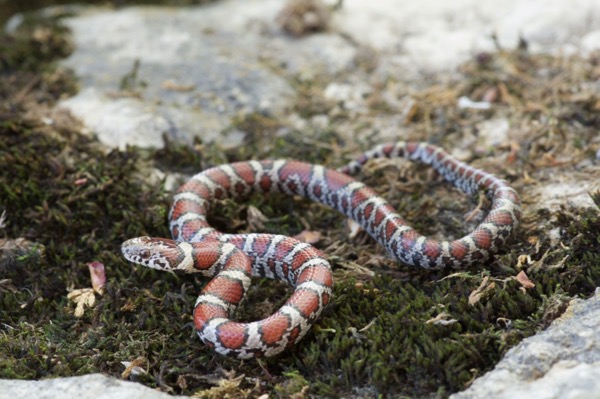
point(231, 259)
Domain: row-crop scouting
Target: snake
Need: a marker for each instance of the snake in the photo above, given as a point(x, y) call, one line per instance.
point(232, 259)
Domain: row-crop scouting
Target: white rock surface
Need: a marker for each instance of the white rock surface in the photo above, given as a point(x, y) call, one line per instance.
point(198, 68)
point(432, 35)
point(574, 189)
point(562, 362)
point(201, 67)
point(92, 386)
point(493, 132)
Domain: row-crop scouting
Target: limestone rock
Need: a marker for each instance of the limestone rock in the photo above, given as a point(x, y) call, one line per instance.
point(187, 72)
point(92, 386)
point(560, 362)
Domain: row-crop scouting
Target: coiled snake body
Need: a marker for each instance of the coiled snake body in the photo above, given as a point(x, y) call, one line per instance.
point(231, 259)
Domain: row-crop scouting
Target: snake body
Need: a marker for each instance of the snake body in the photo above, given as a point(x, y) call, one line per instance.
point(231, 259)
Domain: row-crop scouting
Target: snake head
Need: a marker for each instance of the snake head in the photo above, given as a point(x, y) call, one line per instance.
point(156, 253)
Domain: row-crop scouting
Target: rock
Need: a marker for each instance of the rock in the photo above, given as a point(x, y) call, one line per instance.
point(493, 132)
point(573, 188)
point(11, 250)
point(590, 41)
point(429, 35)
point(193, 71)
point(96, 386)
point(560, 362)
point(122, 121)
point(188, 72)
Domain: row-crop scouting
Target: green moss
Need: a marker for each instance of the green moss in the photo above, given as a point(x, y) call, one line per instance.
point(34, 45)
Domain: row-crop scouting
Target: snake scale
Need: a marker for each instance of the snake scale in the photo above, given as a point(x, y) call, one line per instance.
point(231, 259)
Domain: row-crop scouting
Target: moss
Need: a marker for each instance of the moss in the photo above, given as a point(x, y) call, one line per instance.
point(34, 45)
point(391, 330)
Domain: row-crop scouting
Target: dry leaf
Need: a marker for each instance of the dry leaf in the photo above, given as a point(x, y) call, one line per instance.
point(481, 291)
point(134, 368)
point(182, 382)
point(354, 227)
point(227, 388)
point(365, 328)
point(128, 307)
point(523, 260)
point(174, 86)
point(6, 285)
point(442, 319)
point(97, 276)
point(308, 236)
point(83, 298)
point(255, 218)
point(490, 95)
point(524, 280)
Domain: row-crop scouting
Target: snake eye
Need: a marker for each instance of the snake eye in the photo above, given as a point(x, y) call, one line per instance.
point(145, 253)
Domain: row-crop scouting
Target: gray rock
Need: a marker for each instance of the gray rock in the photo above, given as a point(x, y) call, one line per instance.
point(189, 71)
point(96, 386)
point(560, 362)
point(190, 80)
point(430, 35)
point(201, 68)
